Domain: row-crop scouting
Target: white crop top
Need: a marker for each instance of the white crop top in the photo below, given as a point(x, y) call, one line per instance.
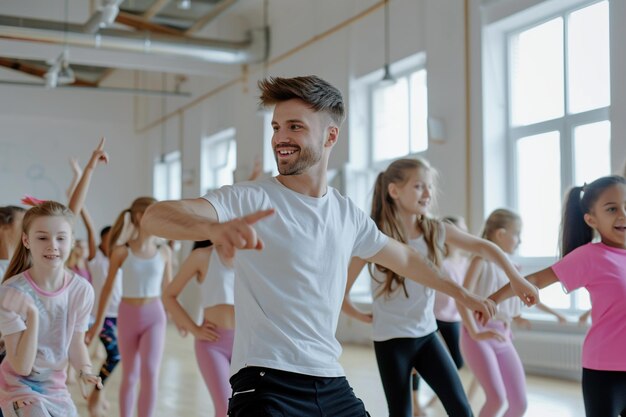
point(218, 285)
point(142, 277)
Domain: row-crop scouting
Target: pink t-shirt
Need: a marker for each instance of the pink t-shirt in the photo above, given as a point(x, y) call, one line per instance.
point(61, 314)
point(445, 306)
point(601, 269)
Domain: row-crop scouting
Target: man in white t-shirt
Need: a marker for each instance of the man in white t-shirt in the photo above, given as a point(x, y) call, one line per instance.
point(289, 291)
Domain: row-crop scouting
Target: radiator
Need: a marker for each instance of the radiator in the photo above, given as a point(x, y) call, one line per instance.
point(548, 353)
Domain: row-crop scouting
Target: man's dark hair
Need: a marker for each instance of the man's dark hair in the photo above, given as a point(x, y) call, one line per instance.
point(320, 95)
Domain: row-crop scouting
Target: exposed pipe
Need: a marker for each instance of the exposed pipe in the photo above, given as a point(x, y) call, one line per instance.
point(253, 50)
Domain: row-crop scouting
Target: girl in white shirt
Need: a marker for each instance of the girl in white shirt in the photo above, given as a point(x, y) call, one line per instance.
point(403, 316)
point(44, 312)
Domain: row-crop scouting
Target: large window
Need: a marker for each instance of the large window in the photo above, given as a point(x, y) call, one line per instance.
point(219, 160)
point(167, 177)
point(393, 116)
point(558, 124)
point(399, 115)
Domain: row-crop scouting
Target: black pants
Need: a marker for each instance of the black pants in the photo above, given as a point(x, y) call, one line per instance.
point(397, 357)
point(451, 333)
point(604, 393)
point(266, 392)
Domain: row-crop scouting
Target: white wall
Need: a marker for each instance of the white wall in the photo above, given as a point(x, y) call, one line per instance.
point(348, 53)
point(42, 129)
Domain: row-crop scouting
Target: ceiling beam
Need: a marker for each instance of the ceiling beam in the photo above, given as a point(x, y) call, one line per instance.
point(37, 71)
point(209, 17)
point(141, 23)
point(155, 9)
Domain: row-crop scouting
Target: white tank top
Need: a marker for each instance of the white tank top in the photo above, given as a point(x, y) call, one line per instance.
point(396, 315)
point(142, 277)
point(491, 279)
point(218, 285)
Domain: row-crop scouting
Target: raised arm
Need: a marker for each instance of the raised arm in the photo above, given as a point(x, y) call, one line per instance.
point(540, 279)
point(196, 219)
point(527, 292)
point(80, 192)
point(355, 268)
point(409, 263)
point(91, 233)
point(118, 256)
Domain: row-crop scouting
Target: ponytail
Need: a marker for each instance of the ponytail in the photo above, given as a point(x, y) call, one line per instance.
point(127, 222)
point(579, 201)
point(121, 223)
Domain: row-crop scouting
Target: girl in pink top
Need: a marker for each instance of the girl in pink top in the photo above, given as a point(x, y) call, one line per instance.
point(44, 312)
point(599, 207)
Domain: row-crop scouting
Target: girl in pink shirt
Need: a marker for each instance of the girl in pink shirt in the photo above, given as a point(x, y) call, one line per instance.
point(599, 207)
point(44, 312)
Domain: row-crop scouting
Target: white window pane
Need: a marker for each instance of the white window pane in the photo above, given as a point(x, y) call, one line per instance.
point(554, 296)
point(583, 301)
point(160, 181)
point(218, 153)
point(592, 151)
point(539, 193)
point(390, 108)
point(588, 58)
point(175, 179)
point(536, 62)
point(419, 112)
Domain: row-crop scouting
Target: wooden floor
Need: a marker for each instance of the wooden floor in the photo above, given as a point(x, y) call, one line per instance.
point(183, 393)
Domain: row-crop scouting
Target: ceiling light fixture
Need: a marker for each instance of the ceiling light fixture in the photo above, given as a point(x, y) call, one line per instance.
point(387, 77)
point(60, 72)
point(184, 4)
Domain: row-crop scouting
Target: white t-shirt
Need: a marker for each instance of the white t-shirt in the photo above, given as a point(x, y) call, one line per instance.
point(288, 296)
point(99, 267)
point(396, 315)
point(491, 279)
point(61, 314)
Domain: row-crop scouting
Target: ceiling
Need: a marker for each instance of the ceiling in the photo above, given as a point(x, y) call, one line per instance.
point(177, 38)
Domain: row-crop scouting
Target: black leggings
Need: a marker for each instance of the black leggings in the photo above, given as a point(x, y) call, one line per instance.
point(397, 357)
point(451, 332)
point(604, 393)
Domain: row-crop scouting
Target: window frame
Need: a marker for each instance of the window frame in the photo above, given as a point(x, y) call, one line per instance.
point(564, 125)
point(208, 171)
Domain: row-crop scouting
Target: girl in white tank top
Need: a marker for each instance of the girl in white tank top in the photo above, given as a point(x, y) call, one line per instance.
point(141, 327)
point(214, 335)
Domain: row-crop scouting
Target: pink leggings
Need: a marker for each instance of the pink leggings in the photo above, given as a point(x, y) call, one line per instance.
point(499, 371)
point(214, 362)
point(141, 336)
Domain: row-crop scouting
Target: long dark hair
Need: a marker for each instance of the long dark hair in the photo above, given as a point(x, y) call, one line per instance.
point(575, 231)
point(385, 215)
